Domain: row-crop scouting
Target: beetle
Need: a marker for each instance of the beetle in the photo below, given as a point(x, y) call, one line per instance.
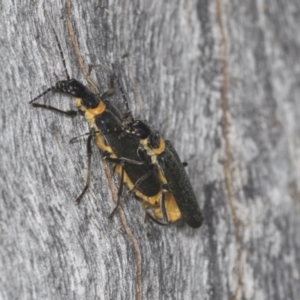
point(105, 121)
point(171, 173)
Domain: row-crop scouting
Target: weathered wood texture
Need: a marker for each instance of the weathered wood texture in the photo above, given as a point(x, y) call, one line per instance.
point(221, 79)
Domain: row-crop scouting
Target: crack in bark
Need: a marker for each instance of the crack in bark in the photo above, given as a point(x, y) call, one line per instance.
point(74, 40)
point(226, 166)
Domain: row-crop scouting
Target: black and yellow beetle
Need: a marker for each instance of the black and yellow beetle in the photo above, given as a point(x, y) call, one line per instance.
point(105, 121)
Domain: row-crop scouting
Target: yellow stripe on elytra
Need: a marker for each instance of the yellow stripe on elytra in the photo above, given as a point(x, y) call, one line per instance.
point(172, 210)
point(147, 201)
point(103, 146)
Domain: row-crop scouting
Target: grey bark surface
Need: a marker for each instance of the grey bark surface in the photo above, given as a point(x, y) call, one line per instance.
point(221, 80)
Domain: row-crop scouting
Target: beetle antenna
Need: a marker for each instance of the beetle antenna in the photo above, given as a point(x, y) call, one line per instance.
point(43, 93)
point(59, 47)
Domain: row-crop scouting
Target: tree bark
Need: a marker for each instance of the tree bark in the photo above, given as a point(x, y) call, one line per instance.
point(220, 79)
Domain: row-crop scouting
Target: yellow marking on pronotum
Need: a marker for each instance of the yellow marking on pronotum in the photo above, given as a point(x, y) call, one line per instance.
point(96, 111)
point(91, 113)
point(152, 151)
